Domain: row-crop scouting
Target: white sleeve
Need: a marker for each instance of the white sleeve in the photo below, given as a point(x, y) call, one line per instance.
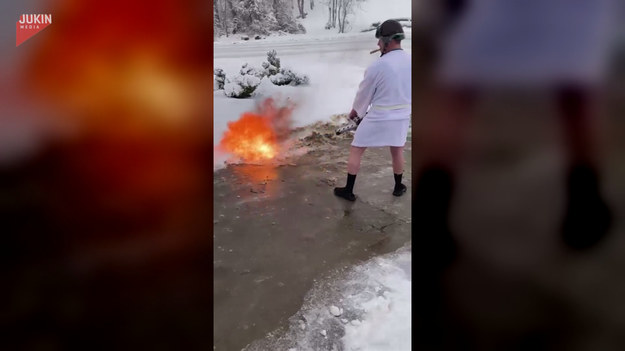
point(365, 92)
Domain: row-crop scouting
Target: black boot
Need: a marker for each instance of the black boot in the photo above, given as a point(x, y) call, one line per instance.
point(347, 192)
point(433, 251)
point(587, 218)
point(432, 238)
point(400, 188)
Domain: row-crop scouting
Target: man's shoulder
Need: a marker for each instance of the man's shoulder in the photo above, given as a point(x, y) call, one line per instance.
point(394, 55)
point(398, 54)
point(376, 65)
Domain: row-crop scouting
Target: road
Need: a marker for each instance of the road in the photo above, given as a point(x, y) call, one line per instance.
point(300, 45)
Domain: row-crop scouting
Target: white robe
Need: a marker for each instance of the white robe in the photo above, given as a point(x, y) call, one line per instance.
point(530, 42)
point(384, 99)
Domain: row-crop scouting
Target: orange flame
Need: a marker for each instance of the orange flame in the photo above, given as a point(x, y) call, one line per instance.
point(251, 137)
point(257, 136)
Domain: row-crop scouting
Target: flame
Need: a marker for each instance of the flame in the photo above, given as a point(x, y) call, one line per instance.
point(251, 138)
point(117, 68)
point(258, 136)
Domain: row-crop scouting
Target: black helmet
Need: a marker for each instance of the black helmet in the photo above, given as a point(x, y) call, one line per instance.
point(388, 30)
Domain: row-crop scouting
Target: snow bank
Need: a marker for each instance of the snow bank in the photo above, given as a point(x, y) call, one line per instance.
point(386, 321)
point(366, 307)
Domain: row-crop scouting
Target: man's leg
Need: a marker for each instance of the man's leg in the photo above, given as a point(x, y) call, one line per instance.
point(441, 140)
point(587, 217)
point(397, 154)
point(442, 144)
point(353, 165)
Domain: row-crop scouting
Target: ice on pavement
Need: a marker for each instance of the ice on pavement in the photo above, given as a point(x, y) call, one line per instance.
point(376, 301)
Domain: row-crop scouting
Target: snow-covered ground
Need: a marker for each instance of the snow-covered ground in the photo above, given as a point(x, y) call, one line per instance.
point(335, 64)
point(366, 307)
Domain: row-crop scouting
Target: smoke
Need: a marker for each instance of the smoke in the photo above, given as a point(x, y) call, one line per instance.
point(280, 117)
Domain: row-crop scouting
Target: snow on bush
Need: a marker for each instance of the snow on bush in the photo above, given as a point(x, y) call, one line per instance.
point(220, 78)
point(241, 86)
point(272, 58)
point(272, 65)
point(244, 85)
point(288, 77)
point(281, 76)
point(253, 71)
point(269, 69)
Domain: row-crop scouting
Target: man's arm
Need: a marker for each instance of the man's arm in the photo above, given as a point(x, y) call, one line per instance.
point(365, 93)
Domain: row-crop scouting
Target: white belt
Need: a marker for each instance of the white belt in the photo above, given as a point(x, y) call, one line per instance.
point(393, 107)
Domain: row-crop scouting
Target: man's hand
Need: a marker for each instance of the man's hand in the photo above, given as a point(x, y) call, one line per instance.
point(353, 114)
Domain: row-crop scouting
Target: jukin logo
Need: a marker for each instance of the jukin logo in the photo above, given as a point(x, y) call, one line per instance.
point(29, 25)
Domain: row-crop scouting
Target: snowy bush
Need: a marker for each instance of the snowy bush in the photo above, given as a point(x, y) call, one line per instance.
point(281, 76)
point(272, 58)
point(288, 77)
point(220, 78)
point(250, 70)
point(241, 86)
point(269, 69)
point(244, 84)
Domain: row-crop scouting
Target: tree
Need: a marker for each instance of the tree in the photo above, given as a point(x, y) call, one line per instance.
point(254, 17)
point(338, 10)
point(221, 16)
point(300, 7)
point(345, 7)
point(332, 13)
point(284, 17)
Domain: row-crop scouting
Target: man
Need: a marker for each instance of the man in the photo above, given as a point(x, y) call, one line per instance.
point(558, 46)
point(383, 98)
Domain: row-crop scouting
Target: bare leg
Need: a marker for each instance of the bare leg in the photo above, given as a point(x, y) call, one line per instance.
point(432, 196)
point(579, 111)
point(355, 156)
point(397, 154)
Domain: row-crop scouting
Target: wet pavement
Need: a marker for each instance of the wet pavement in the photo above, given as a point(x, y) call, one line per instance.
point(277, 229)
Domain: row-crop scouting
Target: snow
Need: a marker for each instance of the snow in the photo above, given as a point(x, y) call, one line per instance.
point(335, 311)
point(364, 15)
point(375, 300)
point(386, 322)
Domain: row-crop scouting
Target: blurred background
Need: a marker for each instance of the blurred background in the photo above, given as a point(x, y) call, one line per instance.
point(105, 173)
point(499, 74)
